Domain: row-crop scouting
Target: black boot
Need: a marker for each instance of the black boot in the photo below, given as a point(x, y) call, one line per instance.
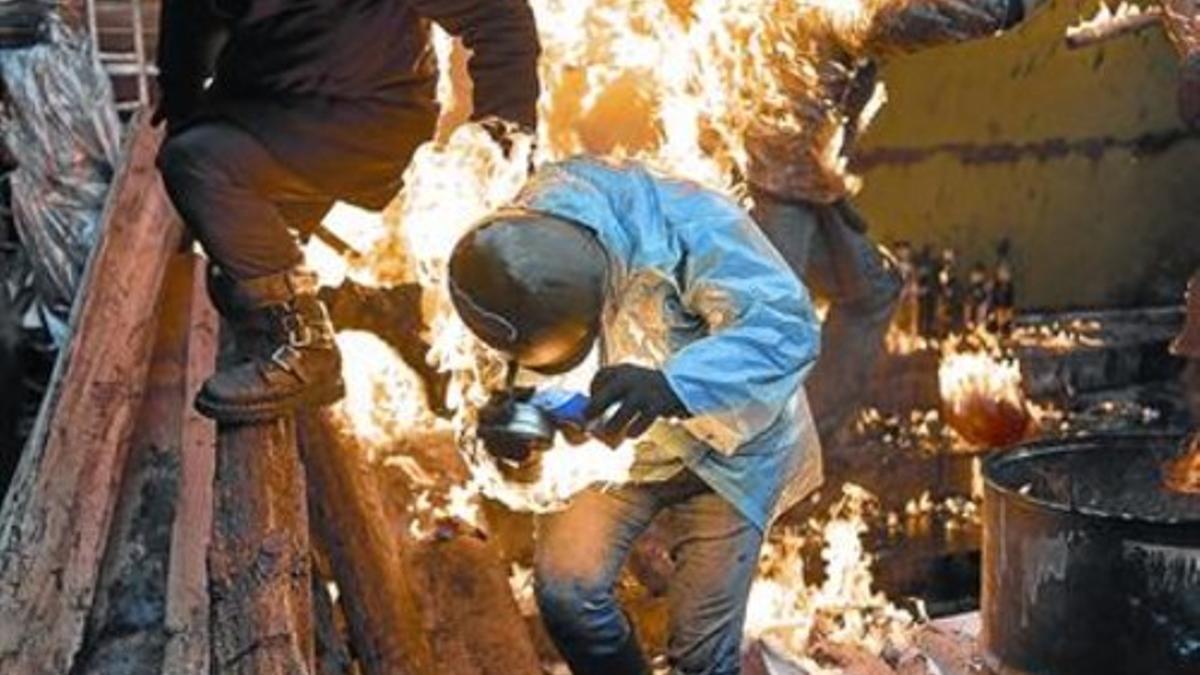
point(295, 363)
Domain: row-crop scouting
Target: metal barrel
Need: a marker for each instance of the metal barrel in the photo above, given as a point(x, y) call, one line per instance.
point(1082, 574)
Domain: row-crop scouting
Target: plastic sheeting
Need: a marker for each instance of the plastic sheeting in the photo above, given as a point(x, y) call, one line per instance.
point(60, 125)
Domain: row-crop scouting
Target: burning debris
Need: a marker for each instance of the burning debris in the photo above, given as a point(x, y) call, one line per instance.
point(983, 399)
point(791, 617)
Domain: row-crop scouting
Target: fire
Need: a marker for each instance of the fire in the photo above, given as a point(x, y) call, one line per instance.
point(791, 617)
point(1182, 474)
point(982, 396)
point(382, 401)
point(703, 71)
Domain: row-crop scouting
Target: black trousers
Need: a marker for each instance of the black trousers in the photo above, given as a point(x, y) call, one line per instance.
point(244, 206)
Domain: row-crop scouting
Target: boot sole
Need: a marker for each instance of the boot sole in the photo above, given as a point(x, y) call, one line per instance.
point(264, 412)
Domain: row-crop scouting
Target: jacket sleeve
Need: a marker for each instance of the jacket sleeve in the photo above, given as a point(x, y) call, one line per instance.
point(910, 25)
point(763, 335)
point(190, 38)
point(503, 40)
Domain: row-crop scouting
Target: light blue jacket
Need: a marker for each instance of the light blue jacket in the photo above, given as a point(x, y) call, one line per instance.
point(697, 291)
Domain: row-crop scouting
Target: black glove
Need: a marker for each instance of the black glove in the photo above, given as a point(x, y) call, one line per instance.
point(642, 396)
point(502, 132)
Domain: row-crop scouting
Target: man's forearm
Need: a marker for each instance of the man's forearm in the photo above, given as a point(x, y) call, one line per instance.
point(910, 25)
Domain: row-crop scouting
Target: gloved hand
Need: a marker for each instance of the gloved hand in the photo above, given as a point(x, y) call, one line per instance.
point(642, 396)
point(505, 133)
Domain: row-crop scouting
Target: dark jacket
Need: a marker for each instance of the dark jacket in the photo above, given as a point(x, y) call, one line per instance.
point(342, 90)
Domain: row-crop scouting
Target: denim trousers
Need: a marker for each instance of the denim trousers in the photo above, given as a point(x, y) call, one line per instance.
point(826, 245)
point(714, 549)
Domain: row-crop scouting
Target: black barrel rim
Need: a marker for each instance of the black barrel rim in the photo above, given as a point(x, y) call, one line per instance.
point(1054, 446)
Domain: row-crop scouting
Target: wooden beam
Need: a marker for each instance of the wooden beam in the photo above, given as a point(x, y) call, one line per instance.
point(381, 609)
point(259, 562)
point(55, 521)
point(187, 606)
point(474, 622)
point(126, 621)
point(461, 578)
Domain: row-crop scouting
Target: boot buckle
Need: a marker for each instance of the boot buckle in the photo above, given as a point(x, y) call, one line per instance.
point(299, 334)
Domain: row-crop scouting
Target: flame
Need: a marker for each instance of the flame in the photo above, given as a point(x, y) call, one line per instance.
point(382, 401)
point(982, 395)
point(792, 616)
point(1105, 15)
point(1182, 474)
point(963, 375)
point(677, 84)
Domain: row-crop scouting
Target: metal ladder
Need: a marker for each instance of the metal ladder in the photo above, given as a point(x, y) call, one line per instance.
point(123, 64)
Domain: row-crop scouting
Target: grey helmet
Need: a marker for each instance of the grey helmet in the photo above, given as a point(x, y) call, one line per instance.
point(531, 286)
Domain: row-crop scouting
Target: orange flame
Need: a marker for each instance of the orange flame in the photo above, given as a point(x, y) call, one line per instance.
point(982, 396)
point(790, 616)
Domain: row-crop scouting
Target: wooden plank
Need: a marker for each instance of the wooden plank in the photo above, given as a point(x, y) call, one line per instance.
point(381, 608)
point(259, 563)
point(126, 622)
point(474, 622)
point(461, 580)
point(55, 520)
point(187, 606)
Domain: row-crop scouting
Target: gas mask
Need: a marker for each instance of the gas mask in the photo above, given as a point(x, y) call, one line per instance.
point(517, 423)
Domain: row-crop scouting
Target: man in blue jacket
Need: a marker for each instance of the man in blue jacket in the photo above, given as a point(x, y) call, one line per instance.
point(705, 337)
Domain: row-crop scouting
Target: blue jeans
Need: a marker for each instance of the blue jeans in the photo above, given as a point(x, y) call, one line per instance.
point(580, 552)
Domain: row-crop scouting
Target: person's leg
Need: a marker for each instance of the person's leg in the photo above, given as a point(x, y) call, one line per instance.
point(579, 555)
point(862, 284)
point(232, 192)
point(229, 190)
point(791, 227)
point(715, 549)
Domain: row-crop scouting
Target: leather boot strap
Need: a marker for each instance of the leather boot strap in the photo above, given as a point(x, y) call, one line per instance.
point(273, 289)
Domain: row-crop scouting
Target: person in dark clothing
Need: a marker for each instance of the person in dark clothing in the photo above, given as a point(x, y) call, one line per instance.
point(276, 109)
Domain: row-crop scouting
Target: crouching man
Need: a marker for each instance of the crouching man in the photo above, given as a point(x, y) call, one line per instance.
point(705, 337)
